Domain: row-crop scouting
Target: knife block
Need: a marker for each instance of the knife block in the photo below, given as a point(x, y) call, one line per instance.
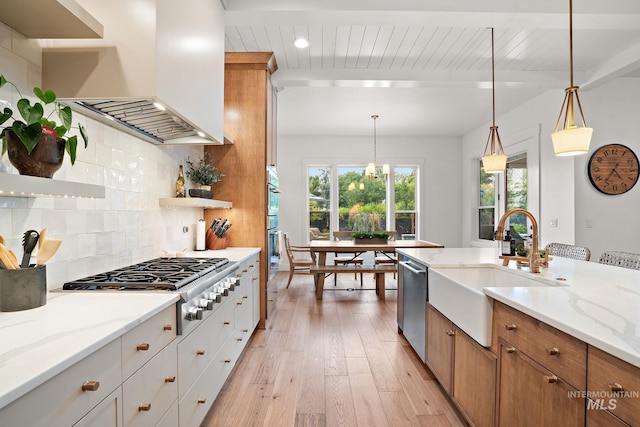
point(214, 242)
point(23, 289)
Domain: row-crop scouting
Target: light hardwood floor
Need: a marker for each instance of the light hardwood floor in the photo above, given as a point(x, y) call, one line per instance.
point(335, 362)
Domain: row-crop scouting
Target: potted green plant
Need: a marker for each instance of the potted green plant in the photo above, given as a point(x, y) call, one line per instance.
point(201, 175)
point(36, 144)
point(376, 237)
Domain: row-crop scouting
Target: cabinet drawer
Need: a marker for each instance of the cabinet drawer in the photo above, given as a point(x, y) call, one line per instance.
point(605, 375)
point(108, 413)
point(140, 344)
point(170, 418)
point(197, 349)
point(61, 401)
point(562, 354)
point(151, 390)
point(196, 402)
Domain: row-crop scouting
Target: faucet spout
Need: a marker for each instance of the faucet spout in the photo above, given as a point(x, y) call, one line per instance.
point(534, 257)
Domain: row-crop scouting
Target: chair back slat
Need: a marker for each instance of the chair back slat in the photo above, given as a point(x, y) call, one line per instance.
point(621, 259)
point(569, 251)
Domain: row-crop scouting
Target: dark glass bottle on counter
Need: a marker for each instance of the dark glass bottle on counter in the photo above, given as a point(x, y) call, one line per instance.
point(180, 192)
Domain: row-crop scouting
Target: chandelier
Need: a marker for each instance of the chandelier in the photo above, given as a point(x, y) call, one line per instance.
point(372, 169)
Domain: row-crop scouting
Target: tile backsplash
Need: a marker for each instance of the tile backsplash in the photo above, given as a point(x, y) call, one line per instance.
point(125, 227)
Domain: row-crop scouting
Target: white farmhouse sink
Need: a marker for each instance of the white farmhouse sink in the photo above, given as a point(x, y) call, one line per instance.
point(457, 293)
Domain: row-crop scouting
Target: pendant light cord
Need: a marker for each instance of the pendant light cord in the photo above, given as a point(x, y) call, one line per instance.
point(374, 117)
point(493, 80)
point(571, 41)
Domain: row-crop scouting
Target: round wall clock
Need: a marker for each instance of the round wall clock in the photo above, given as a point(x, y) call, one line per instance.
point(613, 169)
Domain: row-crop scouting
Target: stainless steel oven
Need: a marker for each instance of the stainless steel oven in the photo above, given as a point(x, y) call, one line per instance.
point(273, 234)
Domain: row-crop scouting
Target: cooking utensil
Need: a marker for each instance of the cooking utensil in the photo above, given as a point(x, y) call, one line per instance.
point(47, 250)
point(6, 259)
point(29, 241)
point(43, 237)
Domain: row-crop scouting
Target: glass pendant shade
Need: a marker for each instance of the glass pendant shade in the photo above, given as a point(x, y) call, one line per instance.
point(371, 170)
point(494, 163)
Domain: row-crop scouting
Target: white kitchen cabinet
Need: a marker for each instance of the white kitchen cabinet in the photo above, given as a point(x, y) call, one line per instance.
point(70, 395)
point(147, 339)
point(197, 349)
point(151, 390)
point(107, 413)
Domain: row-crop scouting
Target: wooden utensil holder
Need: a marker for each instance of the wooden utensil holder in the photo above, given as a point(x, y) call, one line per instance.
point(214, 242)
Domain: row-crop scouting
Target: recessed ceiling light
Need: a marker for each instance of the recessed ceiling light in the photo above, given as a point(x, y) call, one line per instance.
point(301, 43)
point(201, 134)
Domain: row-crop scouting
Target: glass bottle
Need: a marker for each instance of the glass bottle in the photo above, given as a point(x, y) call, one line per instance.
point(180, 184)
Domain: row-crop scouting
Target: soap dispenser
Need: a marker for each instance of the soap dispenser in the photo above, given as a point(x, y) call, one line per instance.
point(506, 244)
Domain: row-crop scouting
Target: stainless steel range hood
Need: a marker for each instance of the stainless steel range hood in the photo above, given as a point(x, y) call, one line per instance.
point(157, 73)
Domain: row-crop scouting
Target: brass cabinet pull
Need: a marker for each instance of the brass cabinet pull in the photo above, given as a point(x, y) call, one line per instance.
point(167, 327)
point(239, 339)
point(511, 327)
point(144, 407)
point(616, 387)
point(170, 379)
point(142, 347)
point(239, 303)
point(200, 352)
point(451, 332)
point(255, 278)
point(245, 270)
point(250, 265)
point(510, 350)
point(245, 296)
point(226, 322)
point(90, 385)
point(553, 351)
point(202, 400)
point(245, 330)
point(227, 361)
point(551, 379)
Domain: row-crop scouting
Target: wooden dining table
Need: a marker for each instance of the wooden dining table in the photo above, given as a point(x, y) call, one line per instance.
point(322, 247)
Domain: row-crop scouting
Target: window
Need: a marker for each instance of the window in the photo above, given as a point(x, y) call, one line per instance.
point(361, 201)
point(406, 215)
point(514, 192)
point(487, 202)
point(319, 203)
point(342, 198)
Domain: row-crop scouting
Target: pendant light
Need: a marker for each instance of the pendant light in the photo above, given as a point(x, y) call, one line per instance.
point(571, 139)
point(372, 169)
point(494, 161)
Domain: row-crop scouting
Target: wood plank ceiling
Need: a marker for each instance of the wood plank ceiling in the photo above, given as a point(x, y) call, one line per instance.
point(426, 64)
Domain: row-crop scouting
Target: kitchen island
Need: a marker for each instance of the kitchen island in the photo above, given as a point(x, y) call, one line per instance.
point(564, 342)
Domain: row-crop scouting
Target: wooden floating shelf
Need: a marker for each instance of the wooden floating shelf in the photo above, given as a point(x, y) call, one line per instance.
point(195, 202)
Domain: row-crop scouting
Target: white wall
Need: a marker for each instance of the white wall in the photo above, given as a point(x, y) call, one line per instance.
point(612, 110)
point(565, 191)
point(440, 180)
point(126, 227)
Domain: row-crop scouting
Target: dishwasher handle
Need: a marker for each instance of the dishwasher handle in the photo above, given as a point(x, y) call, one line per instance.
point(410, 267)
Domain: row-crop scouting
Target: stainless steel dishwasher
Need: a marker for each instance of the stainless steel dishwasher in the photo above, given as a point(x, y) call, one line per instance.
point(412, 303)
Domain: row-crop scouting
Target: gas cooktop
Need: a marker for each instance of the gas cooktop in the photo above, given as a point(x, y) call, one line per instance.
point(156, 274)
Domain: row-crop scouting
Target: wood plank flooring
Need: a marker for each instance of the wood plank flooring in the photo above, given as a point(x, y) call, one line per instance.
point(335, 362)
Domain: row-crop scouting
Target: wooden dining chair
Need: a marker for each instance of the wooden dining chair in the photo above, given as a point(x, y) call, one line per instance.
point(301, 258)
point(387, 258)
point(343, 258)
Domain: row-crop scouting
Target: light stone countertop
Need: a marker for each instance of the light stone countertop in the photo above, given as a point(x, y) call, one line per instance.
point(38, 344)
point(597, 303)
